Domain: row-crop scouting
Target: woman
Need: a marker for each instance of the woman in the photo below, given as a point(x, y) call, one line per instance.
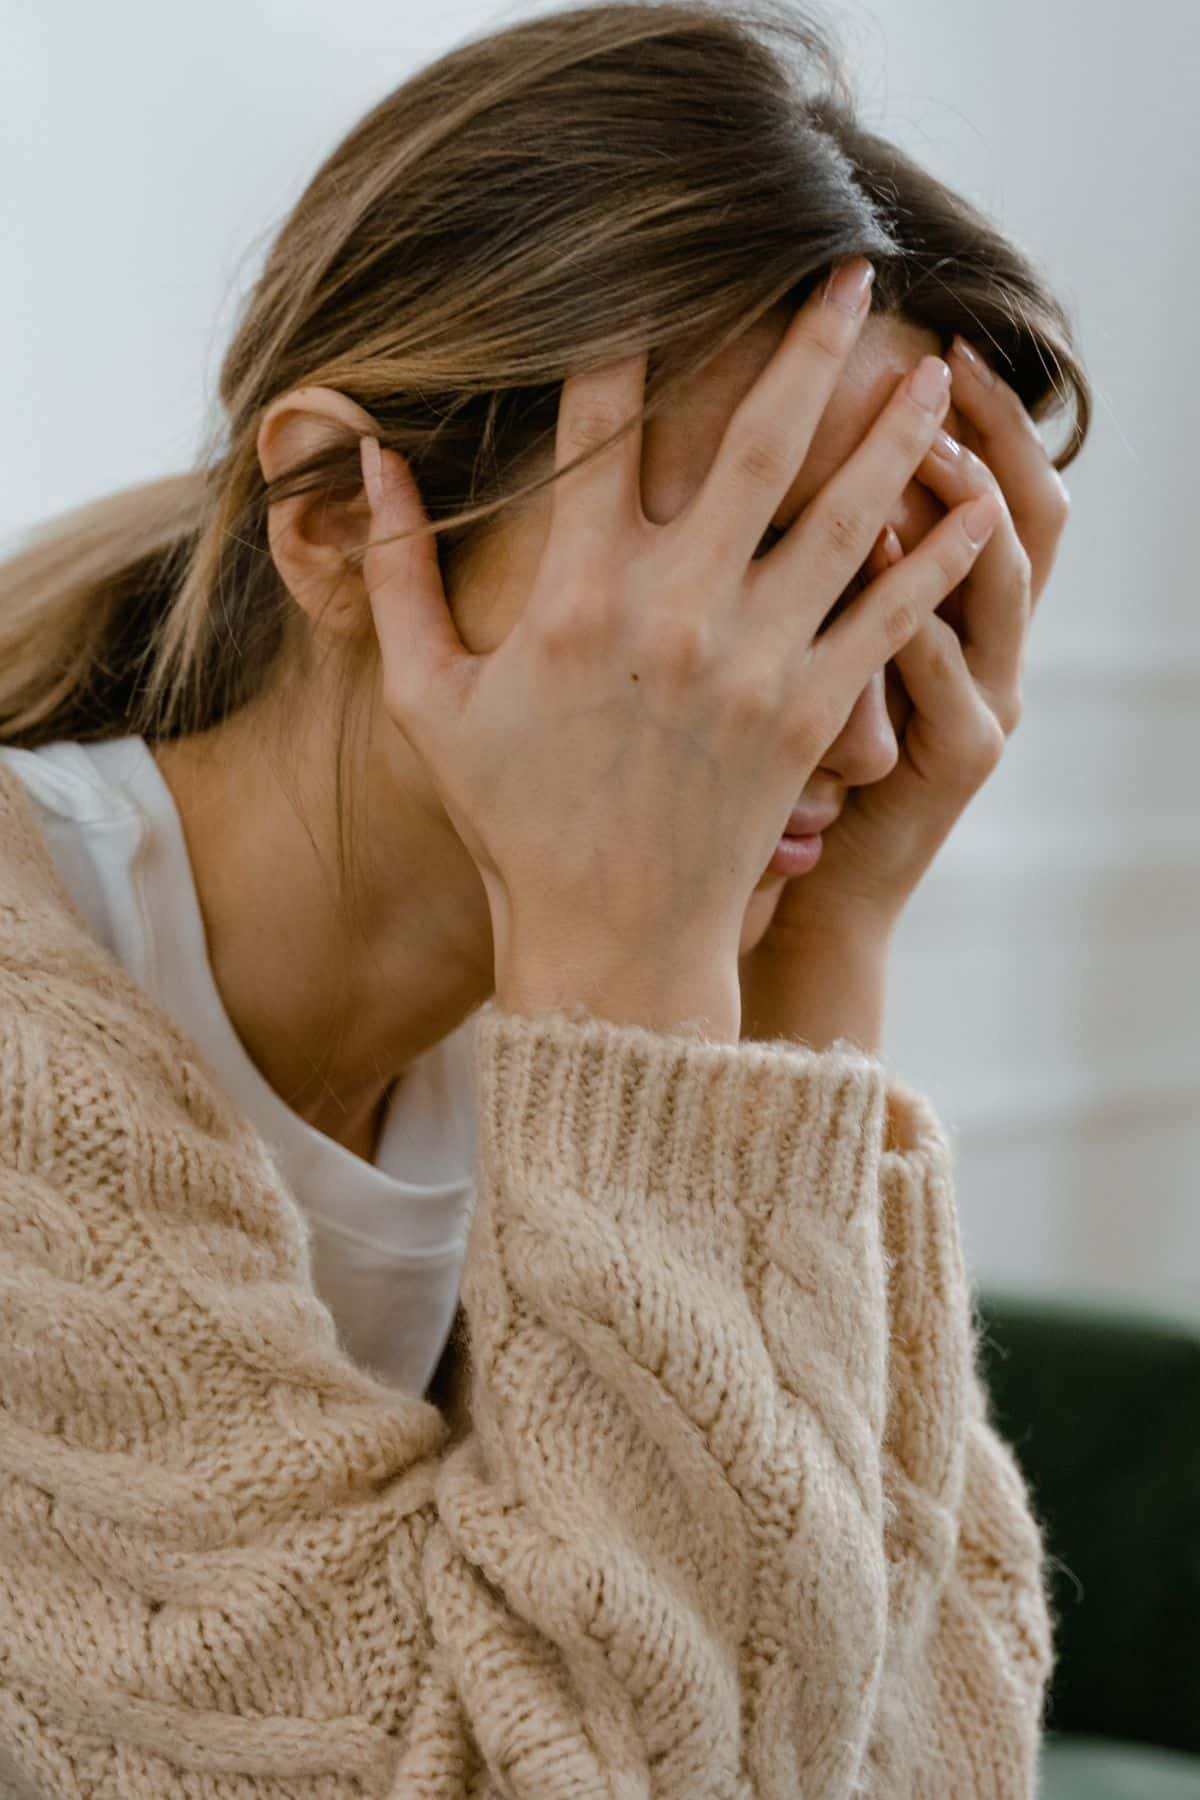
point(349, 800)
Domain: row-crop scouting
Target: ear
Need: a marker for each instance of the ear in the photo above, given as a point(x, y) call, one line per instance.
point(308, 533)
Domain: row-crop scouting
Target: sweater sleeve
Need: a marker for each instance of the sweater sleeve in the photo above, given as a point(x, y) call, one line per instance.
point(234, 1565)
point(970, 1633)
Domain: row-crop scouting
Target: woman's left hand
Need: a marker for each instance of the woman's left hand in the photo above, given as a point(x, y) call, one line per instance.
point(961, 672)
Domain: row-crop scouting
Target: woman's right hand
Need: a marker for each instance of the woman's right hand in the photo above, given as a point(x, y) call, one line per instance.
point(622, 765)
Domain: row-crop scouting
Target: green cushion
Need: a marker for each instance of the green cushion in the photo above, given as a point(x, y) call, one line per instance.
point(1102, 1409)
point(1082, 1768)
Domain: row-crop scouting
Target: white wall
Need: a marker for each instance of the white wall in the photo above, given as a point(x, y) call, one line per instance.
point(1046, 983)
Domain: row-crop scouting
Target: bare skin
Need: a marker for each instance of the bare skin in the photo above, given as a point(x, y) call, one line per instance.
point(332, 1021)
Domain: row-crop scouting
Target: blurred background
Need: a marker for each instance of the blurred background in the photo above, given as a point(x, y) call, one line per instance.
point(1046, 979)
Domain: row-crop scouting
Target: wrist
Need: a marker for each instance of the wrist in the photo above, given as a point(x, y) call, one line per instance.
point(695, 993)
point(818, 986)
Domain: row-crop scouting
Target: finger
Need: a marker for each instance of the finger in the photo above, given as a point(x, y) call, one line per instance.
point(956, 730)
point(995, 603)
point(604, 494)
point(765, 443)
point(876, 564)
point(418, 641)
point(827, 545)
point(886, 550)
point(892, 608)
point(1037, 496)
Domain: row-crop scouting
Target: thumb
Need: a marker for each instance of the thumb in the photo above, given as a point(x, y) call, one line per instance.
point(418, 639)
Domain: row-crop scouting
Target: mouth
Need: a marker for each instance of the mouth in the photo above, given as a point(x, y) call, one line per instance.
point(794, 856)
point(808, 824)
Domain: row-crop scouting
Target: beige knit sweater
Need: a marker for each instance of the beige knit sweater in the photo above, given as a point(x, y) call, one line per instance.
point(725, 1516)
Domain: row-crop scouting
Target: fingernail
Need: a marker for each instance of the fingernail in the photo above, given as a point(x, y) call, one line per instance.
point(948, 448)
point(980, 518)
point(372, 470)
point(931, 384)
point(850, 286)
point(974, 361)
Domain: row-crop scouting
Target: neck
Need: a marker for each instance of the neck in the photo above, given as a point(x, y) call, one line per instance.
point(330, 1011)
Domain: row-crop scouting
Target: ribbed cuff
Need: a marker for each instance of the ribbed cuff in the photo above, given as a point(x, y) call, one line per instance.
point(916, 1175)
point(639, 1118)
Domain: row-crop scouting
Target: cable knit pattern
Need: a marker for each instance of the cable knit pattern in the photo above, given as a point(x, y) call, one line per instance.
point(717, 1509)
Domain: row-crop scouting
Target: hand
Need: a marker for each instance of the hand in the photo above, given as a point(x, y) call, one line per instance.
point(620, 767)
point(961, 673)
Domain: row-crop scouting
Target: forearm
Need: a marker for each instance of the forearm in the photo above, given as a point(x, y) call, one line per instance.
point(831, 985)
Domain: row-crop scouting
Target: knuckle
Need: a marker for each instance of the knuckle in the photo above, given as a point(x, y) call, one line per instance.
point(760, 455)
point(822, 336)
point(992, 739)
point(1010, 711)
point(900, 622)
point(558, 638)
point(913, 427)
point(955, 556)
point(575, 623)
point(676, 645)
point(1011, 401)
point(403, 702)
point(945, 662)
point(587, 424)
point(754, 700)
point(846, 528)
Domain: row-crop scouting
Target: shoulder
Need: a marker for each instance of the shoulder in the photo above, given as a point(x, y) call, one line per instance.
point(100, 1079)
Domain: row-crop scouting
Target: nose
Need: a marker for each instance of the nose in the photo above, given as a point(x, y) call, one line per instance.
point(865, 749)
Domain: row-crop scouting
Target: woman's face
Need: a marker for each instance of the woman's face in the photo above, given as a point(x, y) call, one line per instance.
point(679, 446)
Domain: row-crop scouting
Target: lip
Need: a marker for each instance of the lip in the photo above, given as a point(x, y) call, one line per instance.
point(806, 824)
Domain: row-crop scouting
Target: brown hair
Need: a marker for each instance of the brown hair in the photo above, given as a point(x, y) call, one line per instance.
point(549, 197)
